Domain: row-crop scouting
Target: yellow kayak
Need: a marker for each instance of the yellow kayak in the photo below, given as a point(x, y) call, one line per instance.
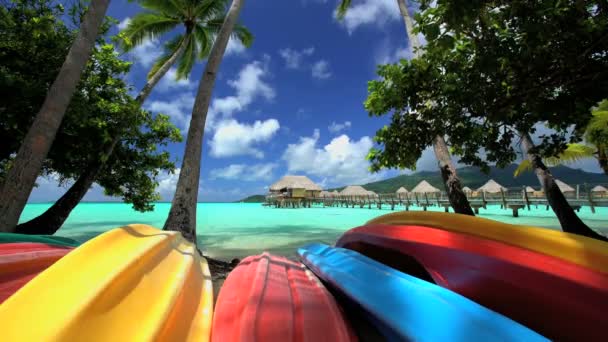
point(577, 249)
point(134, 283)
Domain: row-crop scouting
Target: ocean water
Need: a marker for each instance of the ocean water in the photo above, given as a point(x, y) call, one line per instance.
point(235, 230)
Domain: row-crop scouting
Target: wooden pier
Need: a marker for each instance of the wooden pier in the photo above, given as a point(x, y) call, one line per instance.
point(513, 200)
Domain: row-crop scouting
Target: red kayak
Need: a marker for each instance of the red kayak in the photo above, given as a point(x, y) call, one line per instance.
point(559, 299)
point(270, 298)
point(20, 262)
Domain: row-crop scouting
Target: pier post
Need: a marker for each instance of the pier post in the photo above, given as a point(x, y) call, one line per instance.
point(526, 199)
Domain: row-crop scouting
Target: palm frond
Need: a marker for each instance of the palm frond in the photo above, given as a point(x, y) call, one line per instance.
point(187, 59)
point(242, 34)
point(208, 9)
point(573, 153)
point(169, 49)
point(167, 7)
point(146, 25)
point(524, 166)
point(343, 8)
point(204, 40)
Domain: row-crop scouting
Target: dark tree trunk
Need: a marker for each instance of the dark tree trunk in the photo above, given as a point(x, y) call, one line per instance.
point(26, 167)
point(182, 215)
point(602, 159)
point(453, 187)
point(568, 219)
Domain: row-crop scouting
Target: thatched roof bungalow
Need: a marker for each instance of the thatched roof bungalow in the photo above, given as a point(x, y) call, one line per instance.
point(325, 194)
point(599, 188)
point(467, 190)
point(402, 190)
point(354, 190)
point(530, 189)
point(565, 188)
point(296, 187)
point(424, 187)
point(492, 187)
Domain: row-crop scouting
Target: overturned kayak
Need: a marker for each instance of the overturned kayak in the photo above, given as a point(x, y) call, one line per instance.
point(558, 298)
point(47, 239)
point(20, 262)
point(580, 250)
point(407, 308)
point(132, 283)
point(270, 298)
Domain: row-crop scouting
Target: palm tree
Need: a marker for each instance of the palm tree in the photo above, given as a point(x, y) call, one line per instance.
point(201, 21)
point(453, 186)
point(182, 215)
point(21, 178)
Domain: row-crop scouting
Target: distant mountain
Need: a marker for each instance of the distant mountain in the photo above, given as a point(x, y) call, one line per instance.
point(474, 178)
point(253, 199)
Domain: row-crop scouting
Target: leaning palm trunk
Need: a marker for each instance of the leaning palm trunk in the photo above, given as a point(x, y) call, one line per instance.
point(602, 158)
point(568, 219)
point(53, 218)
point(182, 216)
point(26, 167)
point(453, 186)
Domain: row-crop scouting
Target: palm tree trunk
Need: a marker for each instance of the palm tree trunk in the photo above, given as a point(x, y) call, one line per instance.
point(147, 89)
point(458, 200)
point(26, 167)
point(53, 218)
point(568, 219)
point(182, 216)
point(453, 187)
point(602, 158)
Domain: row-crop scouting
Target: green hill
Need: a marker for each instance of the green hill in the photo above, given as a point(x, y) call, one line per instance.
point(473, 178)
point(253, 199)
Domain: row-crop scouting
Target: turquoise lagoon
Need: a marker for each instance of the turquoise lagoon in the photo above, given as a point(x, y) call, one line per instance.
point(235, 230)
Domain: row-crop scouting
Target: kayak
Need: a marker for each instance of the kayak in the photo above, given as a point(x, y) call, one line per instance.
point(404, 307)
point(134, 283)
point(580, 250)
point(271, 298)
point(48, 239)
point(20, 262)
point(557, 298)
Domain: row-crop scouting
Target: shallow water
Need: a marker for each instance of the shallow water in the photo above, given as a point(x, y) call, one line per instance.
point(235, 230)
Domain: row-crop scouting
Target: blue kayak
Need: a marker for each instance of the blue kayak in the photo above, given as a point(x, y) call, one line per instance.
point(403, 307)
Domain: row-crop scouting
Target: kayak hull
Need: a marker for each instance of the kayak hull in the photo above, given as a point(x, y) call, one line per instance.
point(270, 298)
point(134, 283)
point(557, 298)
point(407, 308)
point(21, 262)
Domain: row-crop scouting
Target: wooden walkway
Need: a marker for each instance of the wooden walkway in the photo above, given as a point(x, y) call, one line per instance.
point(509, 200)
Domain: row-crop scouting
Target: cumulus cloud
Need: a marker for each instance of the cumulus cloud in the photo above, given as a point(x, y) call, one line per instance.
point(235, 47)
point(293, 58)
point(147, 52)
point(232, 138)
point(365, 12)
point(386, 53)
point(169, 82)
point(166, 184)
point(249, 85)
point(177, 108)
point(342, 161)
point(245, 172)
point(124, 23)
point(337, 127)
point(320, 70)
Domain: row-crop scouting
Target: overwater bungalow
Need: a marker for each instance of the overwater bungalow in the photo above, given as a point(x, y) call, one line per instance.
point(325, 194)
point(425, 187)
point(402, 190)
point(467, 190)
point(599, 191)
point(566, 189)
point(354, 190)
point(295, 187)
point(491, 187)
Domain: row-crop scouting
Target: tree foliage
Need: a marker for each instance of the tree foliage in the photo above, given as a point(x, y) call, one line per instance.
point(33, 45)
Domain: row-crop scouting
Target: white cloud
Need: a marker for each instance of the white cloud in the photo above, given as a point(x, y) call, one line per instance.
point(337, 127)
point(245, 172)
point(178, 108)
point(249, 85)
point(169, 82)
point(387, 54)
point(235, 47)
point(293, 58)
point(320, 70)
point(376, 12)
point(233, 138)
point(147, 52)
point(124, 23)
point(342, 161)
point(166, 184)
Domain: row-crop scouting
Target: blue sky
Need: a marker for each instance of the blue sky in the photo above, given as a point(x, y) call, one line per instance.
point(290, 104)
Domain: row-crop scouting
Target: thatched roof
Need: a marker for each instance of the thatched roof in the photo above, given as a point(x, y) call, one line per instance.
point(424, 186)
point(530, 189)
point(563, 186)
point(325, 194)
point(491, 186)
point(467, 189)
point(335, 192)
point(371, 193)
point(402, 190)
point(354, 190)
point(294, 182)
point(599, 188)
